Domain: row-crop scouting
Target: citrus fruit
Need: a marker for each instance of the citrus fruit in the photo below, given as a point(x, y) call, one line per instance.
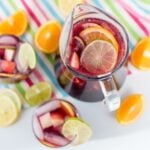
point(38, 93)
point(77, 130)
point(99, 57)
point(47, 37)
point(13, 96)
point(66, 6)
point(15, 24)
point(26, 57)
point(98, 33)
point(130, 109)
point(140, 57)
point(8, 111)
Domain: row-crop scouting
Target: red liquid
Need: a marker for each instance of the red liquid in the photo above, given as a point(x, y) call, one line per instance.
point(48, 121)
point(85, 90)
point(77, 47)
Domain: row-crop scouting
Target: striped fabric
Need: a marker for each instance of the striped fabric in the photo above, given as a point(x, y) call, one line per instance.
point(133, 14)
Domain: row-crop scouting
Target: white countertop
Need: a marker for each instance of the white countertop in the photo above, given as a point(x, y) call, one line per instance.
point(108, 134)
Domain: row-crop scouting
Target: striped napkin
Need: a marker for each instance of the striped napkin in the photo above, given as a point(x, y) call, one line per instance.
point(133, 14)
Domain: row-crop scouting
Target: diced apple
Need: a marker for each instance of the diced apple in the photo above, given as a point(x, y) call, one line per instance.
point(56, 139)
point(45, 121)
point(7, 66)
point(9, 54)
point(57, 118)
point(37, 128)
point(50, 106)
point(75, 61)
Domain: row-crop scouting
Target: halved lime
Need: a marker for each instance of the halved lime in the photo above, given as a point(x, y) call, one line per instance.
point(26, 57)
point(38, 93)
point(77, 130)
point(8, 111)
point(13, 96)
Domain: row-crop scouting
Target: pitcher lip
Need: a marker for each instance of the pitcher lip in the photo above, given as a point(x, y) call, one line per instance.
point(109, 74)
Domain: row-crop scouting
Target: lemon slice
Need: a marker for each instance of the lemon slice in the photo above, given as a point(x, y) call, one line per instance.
point(13, 96)
point(77, 130)
point(8, 111)
point(66, 6)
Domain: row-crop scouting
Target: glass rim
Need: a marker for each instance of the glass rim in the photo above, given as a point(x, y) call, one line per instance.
point(78, 115)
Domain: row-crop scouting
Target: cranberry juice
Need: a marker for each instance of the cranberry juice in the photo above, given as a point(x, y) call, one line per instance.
point(48, 121)
point(85, 32)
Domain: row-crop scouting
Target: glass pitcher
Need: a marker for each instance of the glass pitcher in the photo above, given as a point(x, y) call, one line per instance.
point(86, 85)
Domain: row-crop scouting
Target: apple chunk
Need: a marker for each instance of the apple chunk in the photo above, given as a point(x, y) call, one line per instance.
point(57, 118)
point(45, 121)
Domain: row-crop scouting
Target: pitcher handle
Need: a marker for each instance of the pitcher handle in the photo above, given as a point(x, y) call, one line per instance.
point(111, 94)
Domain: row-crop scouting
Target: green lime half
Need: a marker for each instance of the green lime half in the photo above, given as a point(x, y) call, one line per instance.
point(77, 130)
point(26, 56)
point(38, 93)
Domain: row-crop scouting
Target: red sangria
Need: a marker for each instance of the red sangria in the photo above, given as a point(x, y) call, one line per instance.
point(17, 59)
point(93, 46)
point(48, 121)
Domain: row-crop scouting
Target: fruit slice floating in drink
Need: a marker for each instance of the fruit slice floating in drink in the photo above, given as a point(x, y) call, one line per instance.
point(96, 47)
point(48, 121)
point(99, 57)
point(98, 33)
point(17, 59)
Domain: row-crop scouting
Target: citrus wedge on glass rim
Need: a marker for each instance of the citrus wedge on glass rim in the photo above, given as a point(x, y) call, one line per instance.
point(77, 130)
point(16, 24)
point(66, 6)
point(8, 111)
point(99, 57)
point(38, 93)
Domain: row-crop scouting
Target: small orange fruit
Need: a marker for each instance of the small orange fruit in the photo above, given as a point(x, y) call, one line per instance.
point(130, 109)
point(15, 24)
point(47, 37)
point(140, 57)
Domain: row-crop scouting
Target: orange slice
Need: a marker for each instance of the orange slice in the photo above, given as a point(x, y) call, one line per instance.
point(130, 109)
point(140, 57)
point(15, 24)
point(99, 57)
point(47, 36)
point(98, 33)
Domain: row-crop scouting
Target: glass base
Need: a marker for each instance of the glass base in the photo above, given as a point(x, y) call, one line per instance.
point(85, 90)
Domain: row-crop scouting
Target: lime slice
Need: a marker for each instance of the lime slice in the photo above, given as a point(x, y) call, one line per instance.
point(13, 96)
point(38, 93)
point(66, 6)
point(99, 57)
point(77, 130)
point(26, 57)
point(8, 111)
